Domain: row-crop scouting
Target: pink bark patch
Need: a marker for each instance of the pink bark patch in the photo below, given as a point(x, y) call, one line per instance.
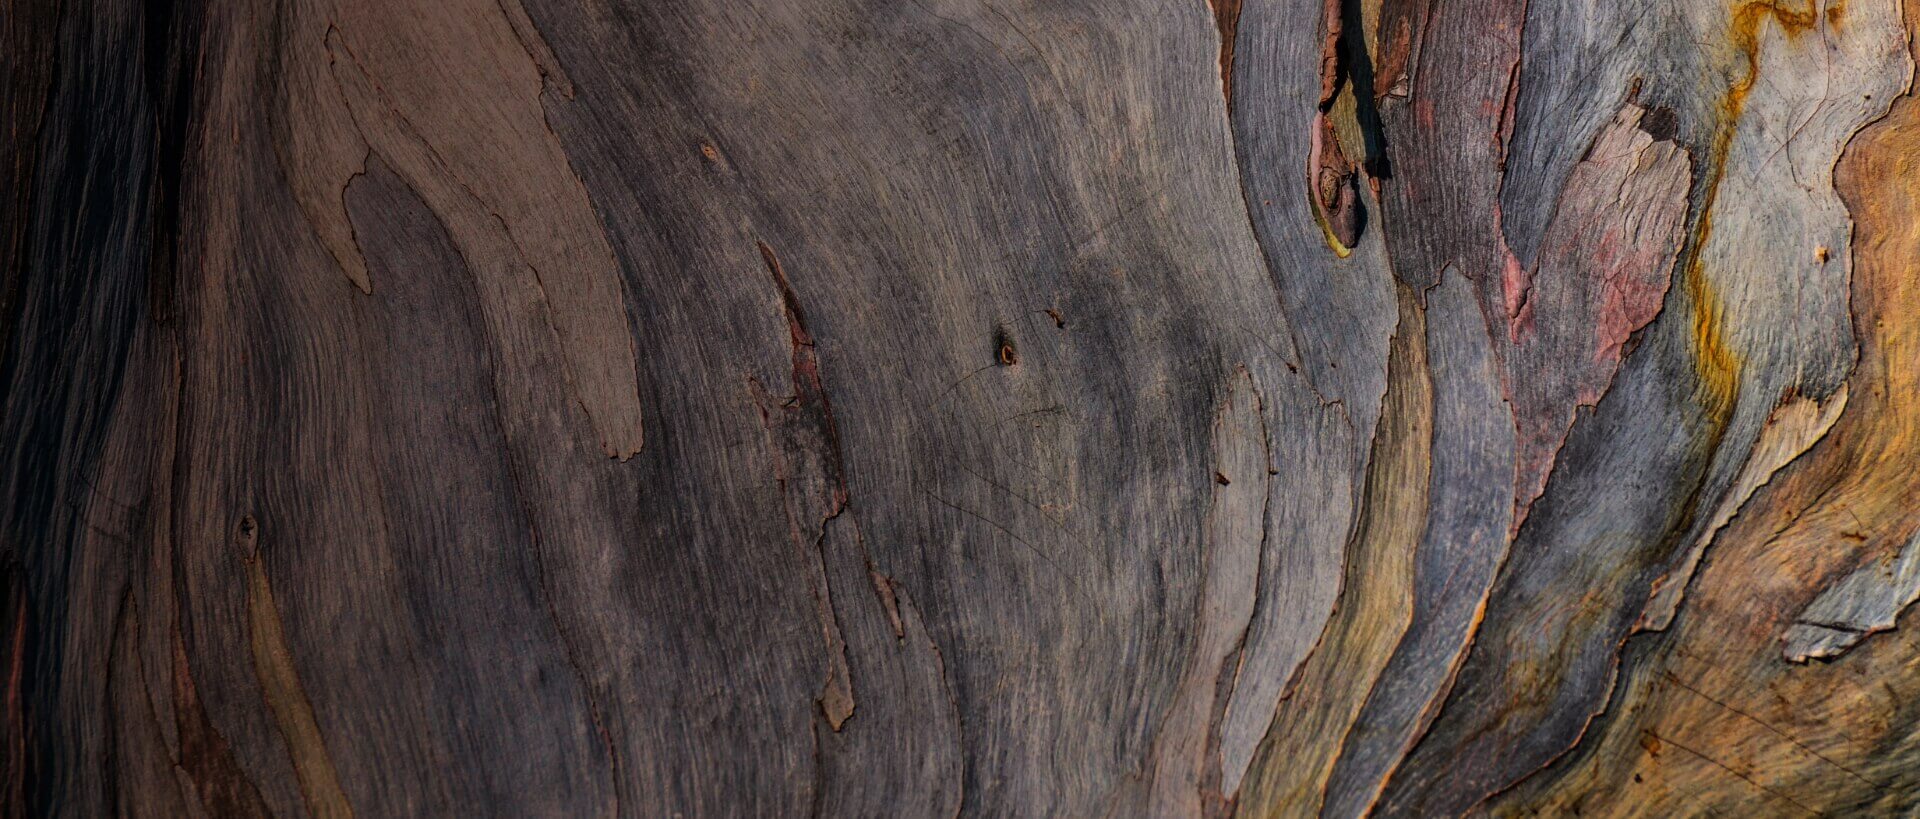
point(1603, 270)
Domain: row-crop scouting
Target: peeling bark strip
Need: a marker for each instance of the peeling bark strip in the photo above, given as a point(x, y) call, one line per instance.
point(1304, 408)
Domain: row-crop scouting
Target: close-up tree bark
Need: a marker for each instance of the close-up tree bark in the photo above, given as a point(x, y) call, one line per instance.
point(931, 407)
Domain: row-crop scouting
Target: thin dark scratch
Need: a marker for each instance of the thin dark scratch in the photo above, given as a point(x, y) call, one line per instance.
point(1065, 577)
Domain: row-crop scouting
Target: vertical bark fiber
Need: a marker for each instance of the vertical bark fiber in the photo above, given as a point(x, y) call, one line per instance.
point(990, 407)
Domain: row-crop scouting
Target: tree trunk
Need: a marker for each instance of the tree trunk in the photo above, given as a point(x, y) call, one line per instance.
point(632, 407)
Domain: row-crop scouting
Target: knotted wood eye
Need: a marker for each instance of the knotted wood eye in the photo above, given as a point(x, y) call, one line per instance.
point(1334, 188)
point(1003, 350)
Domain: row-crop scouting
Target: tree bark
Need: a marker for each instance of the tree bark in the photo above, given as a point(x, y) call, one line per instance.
point(1279, 407)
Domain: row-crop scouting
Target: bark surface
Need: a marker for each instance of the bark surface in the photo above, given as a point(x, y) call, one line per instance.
point(988, 407)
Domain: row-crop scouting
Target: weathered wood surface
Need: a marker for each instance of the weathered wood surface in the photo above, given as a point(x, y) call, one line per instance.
point(998, 407)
